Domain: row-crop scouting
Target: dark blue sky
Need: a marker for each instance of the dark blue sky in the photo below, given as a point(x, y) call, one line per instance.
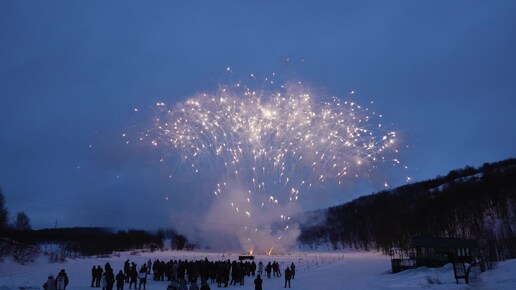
point(71, 72)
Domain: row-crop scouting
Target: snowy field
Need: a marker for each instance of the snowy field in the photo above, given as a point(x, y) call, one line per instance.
point(322, 271)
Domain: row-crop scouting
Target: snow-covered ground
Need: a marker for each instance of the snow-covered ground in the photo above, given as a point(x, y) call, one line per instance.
point(324, 271)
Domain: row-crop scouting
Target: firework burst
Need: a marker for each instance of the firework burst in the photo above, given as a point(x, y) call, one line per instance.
point(271, 148)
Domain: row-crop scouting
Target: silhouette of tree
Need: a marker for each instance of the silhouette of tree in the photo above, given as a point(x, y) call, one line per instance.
point(3, 212)
point(22, 222)
point(467, 203)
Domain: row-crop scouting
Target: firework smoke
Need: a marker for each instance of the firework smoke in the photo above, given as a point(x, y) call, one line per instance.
point(267, 151)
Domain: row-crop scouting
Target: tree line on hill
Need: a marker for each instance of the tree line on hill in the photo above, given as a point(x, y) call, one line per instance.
point(19, 240)
point(469, 203)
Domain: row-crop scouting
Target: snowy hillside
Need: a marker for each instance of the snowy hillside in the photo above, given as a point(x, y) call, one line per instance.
point(356, 270)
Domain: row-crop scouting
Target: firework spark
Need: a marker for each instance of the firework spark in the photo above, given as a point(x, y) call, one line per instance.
point(272, 148)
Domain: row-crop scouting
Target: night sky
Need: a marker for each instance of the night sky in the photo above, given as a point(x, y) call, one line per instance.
point(72, 73)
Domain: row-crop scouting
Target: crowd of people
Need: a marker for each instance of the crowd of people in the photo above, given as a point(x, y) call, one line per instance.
point(180, 274)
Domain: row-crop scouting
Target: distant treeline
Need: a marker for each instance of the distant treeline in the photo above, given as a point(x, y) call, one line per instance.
point(94, 241)
point(472, 203)
point(18, 239)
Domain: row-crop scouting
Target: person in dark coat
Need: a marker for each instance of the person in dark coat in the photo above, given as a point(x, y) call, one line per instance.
point(253, 268)
point(133, 274)
point(143, 277)
point(110, 278)
point(260, 268)
point(293, 270)
point(93, 276)
point(127, 269)
point(120, 280)
point(276, 269)
point(61, 280)
point(227, 268)
point(258, 283)
point(288, 275)
point(98, 276)
point(268, 270)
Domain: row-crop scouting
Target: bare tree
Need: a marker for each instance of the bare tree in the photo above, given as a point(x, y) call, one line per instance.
point(22, 222)
point(3, 211)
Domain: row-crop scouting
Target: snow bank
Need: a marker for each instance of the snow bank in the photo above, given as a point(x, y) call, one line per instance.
point(325, 271)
